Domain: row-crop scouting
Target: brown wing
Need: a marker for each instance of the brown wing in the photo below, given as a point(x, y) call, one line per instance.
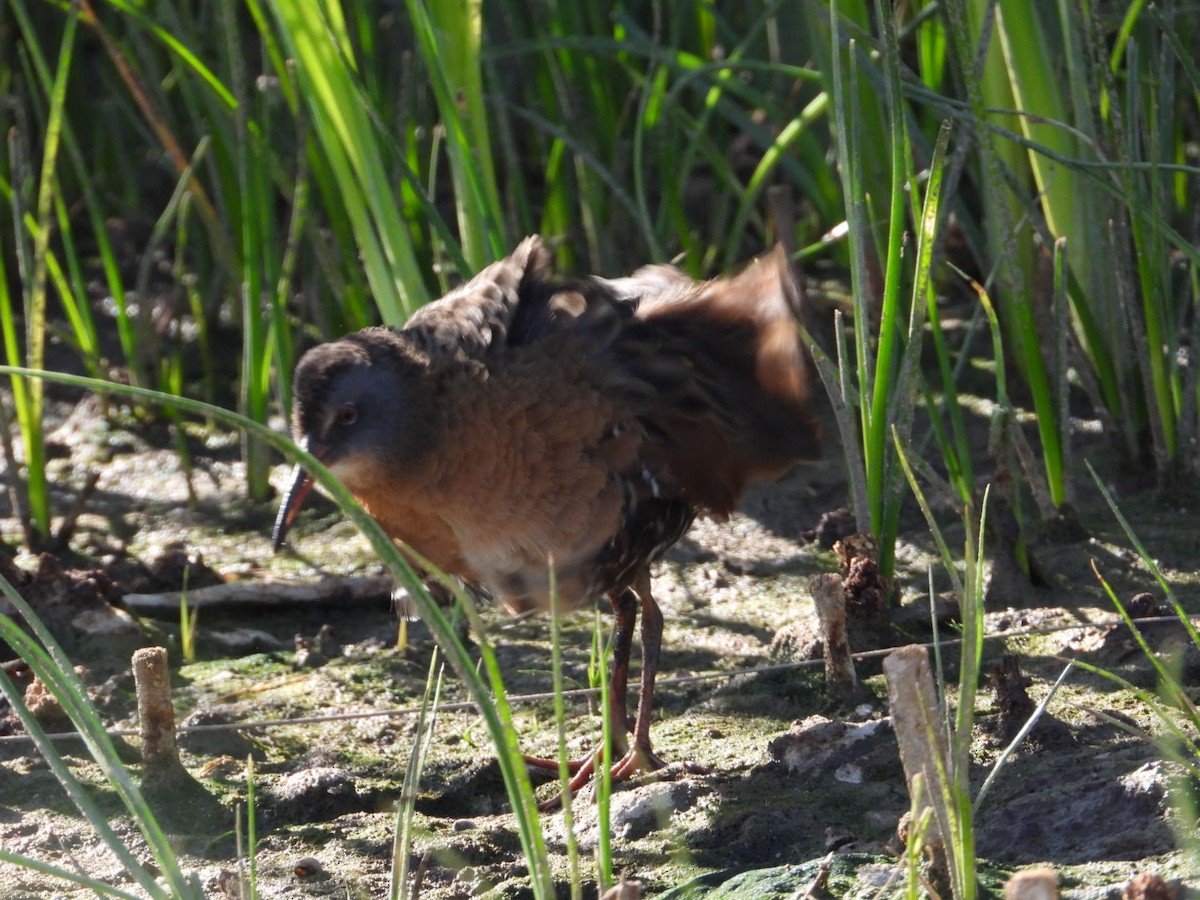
point(478, 315)
point(714, 371)
point(731, 398)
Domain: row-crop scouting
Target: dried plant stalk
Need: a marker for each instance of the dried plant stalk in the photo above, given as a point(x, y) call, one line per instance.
point(156, 715)
point(830, 599)
point(915, 720)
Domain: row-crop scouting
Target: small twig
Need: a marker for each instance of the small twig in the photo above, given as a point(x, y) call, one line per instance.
point(781, 216)
point(252, 593)
point(419, 875)
point(66, 531)
point(817, 888)
point(829, 597)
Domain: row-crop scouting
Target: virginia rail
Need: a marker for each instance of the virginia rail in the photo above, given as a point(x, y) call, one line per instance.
point(524, 418)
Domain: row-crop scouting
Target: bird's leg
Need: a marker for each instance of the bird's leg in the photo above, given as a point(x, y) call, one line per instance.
point(641, 757)
point(625, 608)
point(624, 603)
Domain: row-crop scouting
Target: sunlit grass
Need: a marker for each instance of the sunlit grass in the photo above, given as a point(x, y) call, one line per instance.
point(310, 168)
point(886, 355)
point(486, 690)
point(50, 663)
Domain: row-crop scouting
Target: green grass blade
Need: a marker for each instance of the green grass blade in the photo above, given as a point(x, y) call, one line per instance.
point(20, 389)
point(560, 723)
point(1182, 734)
point(767, 166)
point(1145, 556)
point(603, 776)
point(848, 148)
point(36, 275)
point(407, 806)
point(251, 829)
point(488, 696)
point(508, 754)
point(176, 47)
point(81, 169)
point(73, 293)
point(449, 33)
point(315, 37)
point(989, 88)
point(47, 661)
point(883, 389)
point(1168, 682)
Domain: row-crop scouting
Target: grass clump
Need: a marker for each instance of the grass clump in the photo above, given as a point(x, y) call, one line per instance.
point(259, 176)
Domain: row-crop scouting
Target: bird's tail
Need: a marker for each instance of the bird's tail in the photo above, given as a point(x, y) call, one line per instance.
point(731, 373)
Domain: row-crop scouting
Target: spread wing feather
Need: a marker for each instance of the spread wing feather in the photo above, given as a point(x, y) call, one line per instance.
point(714, 371)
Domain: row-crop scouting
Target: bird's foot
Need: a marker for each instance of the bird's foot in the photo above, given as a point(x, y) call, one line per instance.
point(636, 761)
point(552, 765)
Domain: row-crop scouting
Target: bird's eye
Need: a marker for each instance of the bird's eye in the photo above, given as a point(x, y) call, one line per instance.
point(347, 414)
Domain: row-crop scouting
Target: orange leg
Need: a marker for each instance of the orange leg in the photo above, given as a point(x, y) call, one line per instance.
point(624, 603)
point(625, 609)
point(639, 757)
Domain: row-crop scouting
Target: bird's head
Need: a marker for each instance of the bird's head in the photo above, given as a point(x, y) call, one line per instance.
point(359, 407)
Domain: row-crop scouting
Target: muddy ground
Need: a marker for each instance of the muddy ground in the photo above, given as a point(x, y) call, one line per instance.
point(791, 772)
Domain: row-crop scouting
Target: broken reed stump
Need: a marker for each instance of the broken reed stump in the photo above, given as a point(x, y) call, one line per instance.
point(156, 715)
point(829, 595)
point(918, 728)
point(1152, 886)
point(181, 803)
point(1012, 695)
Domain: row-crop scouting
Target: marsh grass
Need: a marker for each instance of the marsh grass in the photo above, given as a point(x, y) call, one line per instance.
point(487, 691)
point(304, 169)
point(51, 665)
point(335, 180)
point(189, 620)
point(1178, 739)
point(34, 261)
point(249, 852)
point(886, 357)
point(406, 808)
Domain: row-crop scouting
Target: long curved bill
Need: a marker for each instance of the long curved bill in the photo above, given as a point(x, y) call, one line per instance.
point(301, 484)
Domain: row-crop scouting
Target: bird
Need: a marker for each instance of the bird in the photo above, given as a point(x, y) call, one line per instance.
point(527, 418)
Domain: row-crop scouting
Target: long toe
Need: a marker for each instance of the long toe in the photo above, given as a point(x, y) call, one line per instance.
point(583, 771)
point(552, 765)
point(639, 760)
